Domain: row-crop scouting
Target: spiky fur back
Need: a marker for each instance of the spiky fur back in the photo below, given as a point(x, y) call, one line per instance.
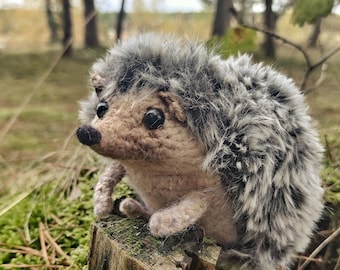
point(254, 125)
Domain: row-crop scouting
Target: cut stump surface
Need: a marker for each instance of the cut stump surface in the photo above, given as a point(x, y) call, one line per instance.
point(124, 244)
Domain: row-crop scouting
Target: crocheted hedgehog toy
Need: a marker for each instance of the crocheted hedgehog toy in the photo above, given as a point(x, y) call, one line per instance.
point(223, 144)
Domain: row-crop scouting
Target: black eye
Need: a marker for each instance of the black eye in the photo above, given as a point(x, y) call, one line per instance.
point(102, 108)
point(153, 118)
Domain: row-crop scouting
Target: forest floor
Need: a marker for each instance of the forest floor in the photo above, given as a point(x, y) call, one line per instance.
point(46, 176)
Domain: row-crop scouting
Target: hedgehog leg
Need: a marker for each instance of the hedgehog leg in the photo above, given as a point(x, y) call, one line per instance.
point(103, 204)
point(180, 216)
point(133, 208)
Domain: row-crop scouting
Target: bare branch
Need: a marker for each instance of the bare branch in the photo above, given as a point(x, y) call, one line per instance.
point(284, 40)
point(327, 56)
point(310, 66)
point(321, 79)
point(320, 247)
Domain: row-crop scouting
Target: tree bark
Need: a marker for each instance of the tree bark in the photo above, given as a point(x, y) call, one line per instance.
point(67, 40)
point(270, 19)
point(51, 23)
point(313, 38)
point(222, 17)
point(120, 20)
point(91, 33)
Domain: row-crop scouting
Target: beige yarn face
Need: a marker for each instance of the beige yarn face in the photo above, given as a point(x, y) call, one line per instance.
point(124, 136)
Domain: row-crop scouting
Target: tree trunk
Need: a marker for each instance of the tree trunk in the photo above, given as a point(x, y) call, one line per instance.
point(313, 38)
point(51, 23)
point(121, 243)
point(91, 34)
point(120, 20)
point(222, 17)
point(243, 12)
point(67, 40)
point(270, 19)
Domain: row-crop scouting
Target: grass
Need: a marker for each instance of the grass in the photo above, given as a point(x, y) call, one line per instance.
point(46, 178)
point(44, 124)
point(51, 115)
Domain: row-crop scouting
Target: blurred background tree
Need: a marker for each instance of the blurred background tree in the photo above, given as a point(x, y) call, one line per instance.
point(90, 16)
point(223, 13)
point(120, 20)
point(67, 27)
point(270, 19)
point(52, 23)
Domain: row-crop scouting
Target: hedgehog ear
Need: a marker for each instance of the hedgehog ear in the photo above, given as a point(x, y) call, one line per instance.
point(98, 84)
point(174, 105)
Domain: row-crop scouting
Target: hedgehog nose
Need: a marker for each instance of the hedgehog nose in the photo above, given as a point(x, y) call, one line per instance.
point(88, 135)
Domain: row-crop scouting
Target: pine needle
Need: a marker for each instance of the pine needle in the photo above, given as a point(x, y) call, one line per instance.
point(30, 266)
point(43, 245)
point(57, 248)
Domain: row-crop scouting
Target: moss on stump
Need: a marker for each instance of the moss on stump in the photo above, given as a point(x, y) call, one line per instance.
point(122, 243)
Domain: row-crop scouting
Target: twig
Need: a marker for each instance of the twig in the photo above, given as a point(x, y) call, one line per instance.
point(284, 40)
point(311, 67)
point(327, 56)
point(319, 81)
point(318, 260)
point(328, 148)
point(337, 263)
point(319, 248)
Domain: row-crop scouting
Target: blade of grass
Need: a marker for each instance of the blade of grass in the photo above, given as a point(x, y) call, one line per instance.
point(14, 202)
point(39, 83)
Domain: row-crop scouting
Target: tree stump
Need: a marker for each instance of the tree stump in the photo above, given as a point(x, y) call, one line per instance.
point(122, 243)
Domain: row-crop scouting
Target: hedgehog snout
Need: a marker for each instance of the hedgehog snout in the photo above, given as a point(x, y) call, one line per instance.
point(88, 135)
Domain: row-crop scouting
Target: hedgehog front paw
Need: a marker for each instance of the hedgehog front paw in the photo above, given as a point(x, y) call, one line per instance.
point(180, 216)
point(165, 224)
point(133, 208)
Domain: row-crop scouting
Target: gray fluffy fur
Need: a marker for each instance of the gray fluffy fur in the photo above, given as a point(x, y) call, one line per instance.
point(254, 125)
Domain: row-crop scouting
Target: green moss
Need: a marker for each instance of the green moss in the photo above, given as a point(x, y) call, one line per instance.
point(68, 222)
point(132, 234)
point(209, 241)
point(135, 238)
